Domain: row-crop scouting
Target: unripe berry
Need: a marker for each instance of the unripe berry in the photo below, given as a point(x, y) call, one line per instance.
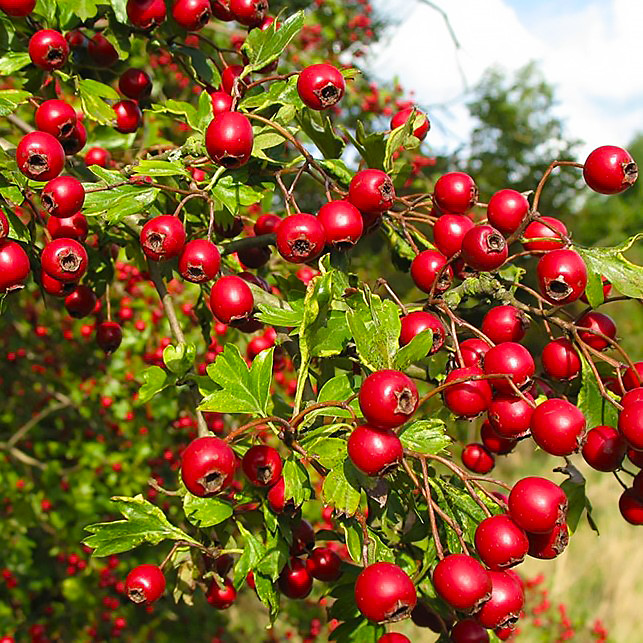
point(320, 86)
point(229, 139)
point(231, 299)
point(484, 248)
point(558, 427)
point(262, 465)
point(610, 170)
point(500, 542)
point(506, 210)
point(504, 324)
point(207, 466)
point(387, 399)
point(429, 266)
point(371, 192)
point(63, 196)
point(470, 397)
point(145, 584)
point(455, 193)
point(163, 237)
point(537, 505)
point(300, 238)
point(462, 582)
point(40, 156)
point(562, 276)
point(418, 321)
point(48, 49)
point(199, 261)
point(374, 452)
point(560, 360)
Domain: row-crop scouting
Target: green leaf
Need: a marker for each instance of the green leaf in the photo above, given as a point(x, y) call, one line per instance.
point(263, 46)
point(91, 94)
point(296, 481)
point(253, 552)
point(155, 379)
point(319, 128)
point(357, 630)
point(201, 65)
point(267, 594)
point(120, 10)
point(330, 452)
point(234, 191)
point(280, 92)
point(160, 168)
point(179, 360)
point(13, 61)
point(596, 409)
point(279, 316)
point(338, 170)
point(206, 512)
point(241, 389)
point(427, 437)
point(177, 108)
point(341, 489)
point(353, 537)
point(10, 99)
point(144, 523)
point(594, 289)
point(418, 348)
point(401, 136)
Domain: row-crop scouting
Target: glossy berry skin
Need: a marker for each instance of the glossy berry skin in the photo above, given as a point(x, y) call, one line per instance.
point(250, 13)
point(542, 234)
point(76, 141)
point(494, 442)
point(455, 193)
point(109, 336)
point(506, 210)
point(63, 196)
point(610, 170)
point(462, 582)
point(537, 504)
point(393, 637)
point(374, 452)
point(199, 261)
point(162, 237)
point(303, 538)
point(145, 584)
point(101, 51)
point(425, 269)
point(562, 276)
point(56, 117)
point(300, 238)
point(387, 399)
point(558, 427)
point(221, 598)
point(484, 248)
point(276, 496)
point(17, 8)
point(14, 266)
point(476, 458)
point(506, 602)
point(401, 117)
point(633, 395)
point(473, 351)
point(254, 258)
point(599, 322)
point(4, 225)
point(229, 76)
point(207, 466)
point(294, 580)
point(371, 192)
point(633, 377)
point(384, 593)
point(630, 505)
point(509, 358)
point(221, 102)
point(470, 397)
point(630, 424)
point(128, 116)
point(48, 49)
point(510, 415)
point(500, 542)
point(266, 224)
point(449, 231)
point(419, 321)
point(549, 545)
point(221, 10)
point(135, 83)
point(324, 564)
point(342, 222)
point(231, 299)
point(80, 302)
point(64, 259)
point(262, 465)
point(97, 156)
point(469, 631)
point(320, 86)
point(40, 156)
point(504, 324)
point(560, 360)
point(73, 227)
point(191, 14)
point(229, 139)
point(146, 14)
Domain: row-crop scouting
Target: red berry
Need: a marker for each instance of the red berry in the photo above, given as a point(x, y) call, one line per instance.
point(109, 336)
point(97, 156)
point(163, 237)
point(324, 564)
point(510, 359)
point(300, 238)
point(630, 505)
point(63, 196)
point(48, 49)
point(321, 86)
point(64, 259)
point(596, 322)
point(145, 584)
point(303, 538)
point(231, 299)
point(633, 395)
point(537, 505)
point(221, 598)
point(455, 193)
point(56, 117)
point(375, 452)
point(610, 170)
point(371, 192)
point(449, 231)
point(207, 466)
point(229, 76)
point(146, 14)
point(4, 225)
point(342, 223)
point(425, 269)
point(387, 399)
point(128, 116)
point(191, 14)
point(393, 637)
point(550, 544)
point(221, 10)
point(462, 582)
point(473, 351)
point(80, 302)
point(562, 276)
point(494, 442)
point(73, 227)
point(229, 230)
point(506, 210)
point(418, 321)
point(266, 224)
point(262, 465)
point(470, 397)
point(221, 102)
point(294, 580)
point(254, 257)
point(633, 377)
point(469, 631)
point(558, 427)
point(538, 230)
point(560, 360)
point(384, 593)
point(500, 542)
point(276, 496)
point(199, 261)
point(14, 266)
point(630, 424)
point(510, 415)
point(401, 117)
point(249, 12)
point(476, 458)
point(135, 83)
point(17, 9)
point(506, 602)
point(484, 248)
point(229, 139)
point(40, 156)
point(505, 324)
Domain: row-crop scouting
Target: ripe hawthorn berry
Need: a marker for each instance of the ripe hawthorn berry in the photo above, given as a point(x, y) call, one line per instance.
point(371, 192)
point(324, 564)
point(80, 302)
point(250, 13)
point(630, 505)
point(610, 170)
point(418, 321)
point(537, 505)
point(199, 261)
point(550, 544)
point(600, 323)
point(537, 234)
point(98, 156)
point(635, 457)
point(494, 442)
point(73, 227)
point(500, 542)
point(562, 276)
point(128, 116)
point(633, 377)
point(135, 83)
point(633, 395)
point(470, 397)
point(4, 225)
point(64, 259)
point(63, 196)
point(231, 299)
point(254, 257)
point(506, 601)
point(423, 616)
point(56, 117)
point(229, 230)
point(400, 118)
point(373, 451)
point(14, 266)
point(266, 224)
point(294, 580)
point(276, 496)
point(558, 427)
point(477, 458)
point(40, 156)
point(504, 324)
point(145, 584)
point(207, 466)
point(473, 351)
point(221, 10)
point(162, 237)
point(462, 582)
point(221, 102)
point(387, 398)
point(229, 139)
point(430, 267)
point(320, 86)
point(384, 593)
point(303, 538)
point(17, 9)
point(229, 76)
point(300, 238)
point(342, 222)
point(393, 637)
point(101, 51)
point(48, 49)
point(630, 424)
point(560, 359)
point(469, 631)
point(484, 248)
point(221, 598)
point(506, 210)
point(262, 465)
point(146, 14)
point(512, 359)
point(449, 231)
point(191, 14)
point(109, 336)
point(455, 193)
point(510, 415)
point(74, 143)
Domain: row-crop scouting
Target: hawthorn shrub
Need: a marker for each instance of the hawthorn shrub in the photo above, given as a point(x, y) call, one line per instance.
point(263, 408)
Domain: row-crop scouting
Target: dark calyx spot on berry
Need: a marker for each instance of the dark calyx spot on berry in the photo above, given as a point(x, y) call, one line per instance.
point(630, 172)
point(261, 9)
point(230, 161)
point(557, 288)
point(212, 482)
point(66, 129)
point(473, 196)
point(47, 202)
point(55, 55)
point(195, 271)
point(154, 242)
point(37, 163)
point(510, 620)
point(561, 542)
point(14, 288)
point(70, 261)
point(406, 401)
point(399, 613)
point(386, 189)
point(264, 474)
point(204, 18)
point(496, 242)
point(387, 469)
point(136, 595)
point(328, 94)
point(301, 247)
point(343, 245)
point(444, 281)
